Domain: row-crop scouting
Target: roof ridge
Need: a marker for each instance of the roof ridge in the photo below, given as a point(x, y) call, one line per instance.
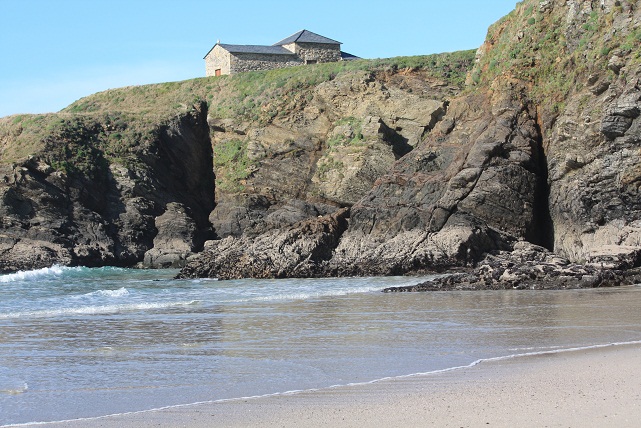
point(306, 34)
point(300, 34)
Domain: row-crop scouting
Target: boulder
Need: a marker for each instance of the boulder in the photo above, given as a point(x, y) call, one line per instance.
point(176, 239)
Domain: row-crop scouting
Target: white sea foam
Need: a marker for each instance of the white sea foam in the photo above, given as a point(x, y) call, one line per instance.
point(14, 390)
point(95, 310)
point(304, 295)
point(121, 292)
point(57, 271)
point(53, 271)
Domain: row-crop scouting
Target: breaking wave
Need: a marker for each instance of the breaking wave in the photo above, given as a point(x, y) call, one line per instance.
point(97, 309)
point(57, 271)
point(53, 271)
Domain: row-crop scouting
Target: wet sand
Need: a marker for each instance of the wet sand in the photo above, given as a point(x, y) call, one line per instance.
point(587, 388)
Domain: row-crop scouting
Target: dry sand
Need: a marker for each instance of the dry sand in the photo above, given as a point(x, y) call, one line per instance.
point(589, 388)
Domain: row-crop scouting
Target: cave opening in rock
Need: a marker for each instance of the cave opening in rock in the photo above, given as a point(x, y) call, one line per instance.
point(542, 232)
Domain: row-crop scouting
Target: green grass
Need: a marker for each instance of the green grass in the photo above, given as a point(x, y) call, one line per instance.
point(76, 143)
point(232, 165)
point(326, 165)
point(260, 95)
point(356, 126)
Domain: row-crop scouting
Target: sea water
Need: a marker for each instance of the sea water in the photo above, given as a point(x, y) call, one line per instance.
point(80, 342)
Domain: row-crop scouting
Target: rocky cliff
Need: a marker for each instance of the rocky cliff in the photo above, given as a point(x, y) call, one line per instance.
point(101, 192)
point(581, 64)
point(126, 177)
point(367, 168)
point(541, 147)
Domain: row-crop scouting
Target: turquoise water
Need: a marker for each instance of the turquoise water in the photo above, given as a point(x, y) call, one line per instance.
point(79, 342)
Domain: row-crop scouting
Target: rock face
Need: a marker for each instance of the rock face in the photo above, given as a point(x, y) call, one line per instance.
point(109, 213)
point(153, 202)
point(327, 153)
point(471, 187)
point(593, 151)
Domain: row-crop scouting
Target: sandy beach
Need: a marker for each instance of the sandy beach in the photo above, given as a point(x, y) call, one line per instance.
point(586, 388)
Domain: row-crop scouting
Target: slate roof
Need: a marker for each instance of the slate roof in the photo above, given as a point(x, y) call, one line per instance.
point(304, 36)
point(256, 49)
point(348, 56)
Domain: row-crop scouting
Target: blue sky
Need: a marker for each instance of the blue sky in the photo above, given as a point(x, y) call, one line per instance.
point(57, 51)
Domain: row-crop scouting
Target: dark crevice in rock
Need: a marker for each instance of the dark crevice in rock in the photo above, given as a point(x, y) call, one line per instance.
point(542, 231)
point(399, 144)
point(438, 116)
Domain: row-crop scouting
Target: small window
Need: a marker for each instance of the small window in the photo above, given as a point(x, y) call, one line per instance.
point(218, 72)
point(311, 61)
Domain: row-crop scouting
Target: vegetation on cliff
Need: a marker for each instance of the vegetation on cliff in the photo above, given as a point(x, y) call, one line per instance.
point(118, 124)
point(556, 52)
point(262, 95)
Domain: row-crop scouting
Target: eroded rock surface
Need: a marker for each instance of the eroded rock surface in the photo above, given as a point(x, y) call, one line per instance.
point(110, 213)
point(528, 155)
point(300, 250)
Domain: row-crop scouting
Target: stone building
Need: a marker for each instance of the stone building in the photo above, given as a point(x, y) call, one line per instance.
point(303, 47)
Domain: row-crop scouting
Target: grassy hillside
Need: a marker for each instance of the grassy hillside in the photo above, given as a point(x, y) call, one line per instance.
point(256, 95)
point(117, 122)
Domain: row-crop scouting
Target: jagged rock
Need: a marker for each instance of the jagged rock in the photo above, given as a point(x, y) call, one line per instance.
point(254, 214)
point(600, 87)
point(526, 267)
point(300, 250)
point(614, 126)
point(27, 254)
point(362, 95)
point(351, 131)
point(620, 115)
point(346, 173)
point(594, 203)
point(461, 242)
point(240, 213)
point(616, 63)
point(294, 211)
point(454, 197)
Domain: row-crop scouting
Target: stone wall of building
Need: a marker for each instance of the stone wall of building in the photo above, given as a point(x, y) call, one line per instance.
point(317, 52)
point(217, 59)
point(302, 53)
point(256, 62)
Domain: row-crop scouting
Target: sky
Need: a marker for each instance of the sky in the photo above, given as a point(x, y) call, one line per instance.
point(57, 51)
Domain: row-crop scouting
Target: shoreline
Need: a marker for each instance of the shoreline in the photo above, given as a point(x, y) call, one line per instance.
point(588, 386)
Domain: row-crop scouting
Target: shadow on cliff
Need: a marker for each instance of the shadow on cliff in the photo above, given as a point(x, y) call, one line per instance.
point(542, 232)
point(164, 202)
